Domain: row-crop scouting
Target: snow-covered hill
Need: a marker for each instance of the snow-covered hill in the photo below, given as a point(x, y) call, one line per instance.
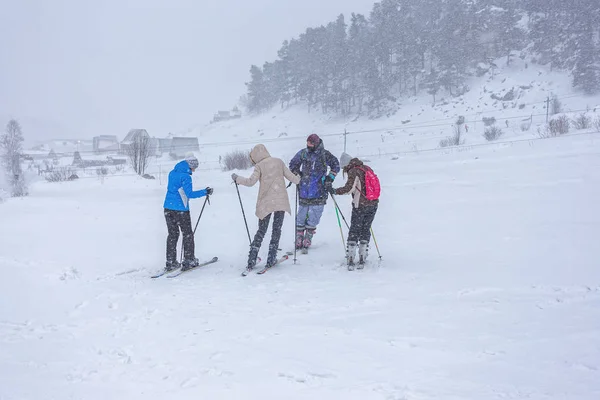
point(418, 124)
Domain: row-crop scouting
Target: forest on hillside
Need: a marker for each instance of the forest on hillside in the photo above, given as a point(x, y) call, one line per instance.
point(406, 47)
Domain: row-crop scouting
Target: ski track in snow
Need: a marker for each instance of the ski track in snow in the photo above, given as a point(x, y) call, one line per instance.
point(489, 289)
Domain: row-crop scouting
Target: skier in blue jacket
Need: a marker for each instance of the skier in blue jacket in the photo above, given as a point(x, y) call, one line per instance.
point(318, 169)
point(177, 212)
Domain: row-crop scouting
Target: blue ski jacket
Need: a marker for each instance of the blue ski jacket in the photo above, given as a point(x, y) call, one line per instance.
point(179, 188)
point(313, 167)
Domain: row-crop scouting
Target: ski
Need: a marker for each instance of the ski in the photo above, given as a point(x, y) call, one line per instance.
point(213, 260)
point(247, 270)
point(163, 272)
point(265, 269)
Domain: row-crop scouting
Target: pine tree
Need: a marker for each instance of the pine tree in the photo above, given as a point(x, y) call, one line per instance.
point(586, 71)
point(256, 90)
point(359, 59)
point(455, 54)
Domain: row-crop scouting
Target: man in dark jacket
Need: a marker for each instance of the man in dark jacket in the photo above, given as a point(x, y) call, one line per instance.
point(177, 212)
point(317, 168)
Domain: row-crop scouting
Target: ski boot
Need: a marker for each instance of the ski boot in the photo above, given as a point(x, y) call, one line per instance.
point(172, 266)
point(363, 252)
point(308, 239)
point(189, 264)
point(252, 256)
point(351, 255)
point(299, 238)
point(272, 257)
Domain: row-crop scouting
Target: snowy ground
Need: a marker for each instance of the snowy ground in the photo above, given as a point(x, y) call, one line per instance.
point(489, 289)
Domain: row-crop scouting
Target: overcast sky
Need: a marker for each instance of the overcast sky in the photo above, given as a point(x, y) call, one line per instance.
point(78, 68)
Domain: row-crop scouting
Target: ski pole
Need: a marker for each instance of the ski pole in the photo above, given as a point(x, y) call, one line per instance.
point(197, 222)
point(295, 219)
point(375, 240)
point(243, 213)
point(337, 207)
point(207, 200)
point(340, 225)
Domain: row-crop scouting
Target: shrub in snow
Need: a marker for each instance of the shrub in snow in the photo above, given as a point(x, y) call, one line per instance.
point(560, 125)
point(445, 142)
point(237, 160)
point(597, 124)
point(556, 127)
point(452, 140)
point(582, 121)
point(61, 174)
point(489, 121)
point(102, 171)
point(492, 133)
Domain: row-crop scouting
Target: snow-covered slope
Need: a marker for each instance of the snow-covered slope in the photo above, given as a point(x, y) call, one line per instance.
point(417, 125)
point(489, 288)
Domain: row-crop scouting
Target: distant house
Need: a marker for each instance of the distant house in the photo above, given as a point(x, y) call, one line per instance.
point(164, 145)
point(133, 135)
point(105, 143)
point(235, 113)
point(180, 146)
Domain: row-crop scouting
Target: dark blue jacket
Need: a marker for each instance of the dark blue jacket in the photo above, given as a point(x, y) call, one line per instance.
point(313, 167)
point(179, 188)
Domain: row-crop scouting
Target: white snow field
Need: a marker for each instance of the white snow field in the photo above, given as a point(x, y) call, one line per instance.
point(489, 288)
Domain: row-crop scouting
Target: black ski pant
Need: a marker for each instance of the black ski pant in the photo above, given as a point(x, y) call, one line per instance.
point(263, 224)
point(177, 220)
point(360, 224)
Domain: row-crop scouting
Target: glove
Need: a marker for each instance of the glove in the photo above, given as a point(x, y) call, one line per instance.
point(328, 178)
point(209, 191)
point(329, 187)
point(299, 173)
point(234, 176)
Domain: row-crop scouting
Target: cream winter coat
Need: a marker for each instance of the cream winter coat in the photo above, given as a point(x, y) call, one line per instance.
point(272, 194)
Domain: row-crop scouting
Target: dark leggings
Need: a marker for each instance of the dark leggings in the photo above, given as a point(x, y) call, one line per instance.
point(263, 224)
point(360, 225)
point(177, 220)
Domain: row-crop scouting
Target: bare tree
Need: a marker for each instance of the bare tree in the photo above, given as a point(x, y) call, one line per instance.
point(11, 144)
point(236, 160)
point(138, 152)
point(582, 121)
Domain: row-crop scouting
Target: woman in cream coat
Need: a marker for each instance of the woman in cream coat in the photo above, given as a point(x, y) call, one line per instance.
point(272, 199)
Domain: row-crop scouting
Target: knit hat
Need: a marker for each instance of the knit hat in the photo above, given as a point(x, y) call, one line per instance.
point(314, 139)
point(191, 160)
